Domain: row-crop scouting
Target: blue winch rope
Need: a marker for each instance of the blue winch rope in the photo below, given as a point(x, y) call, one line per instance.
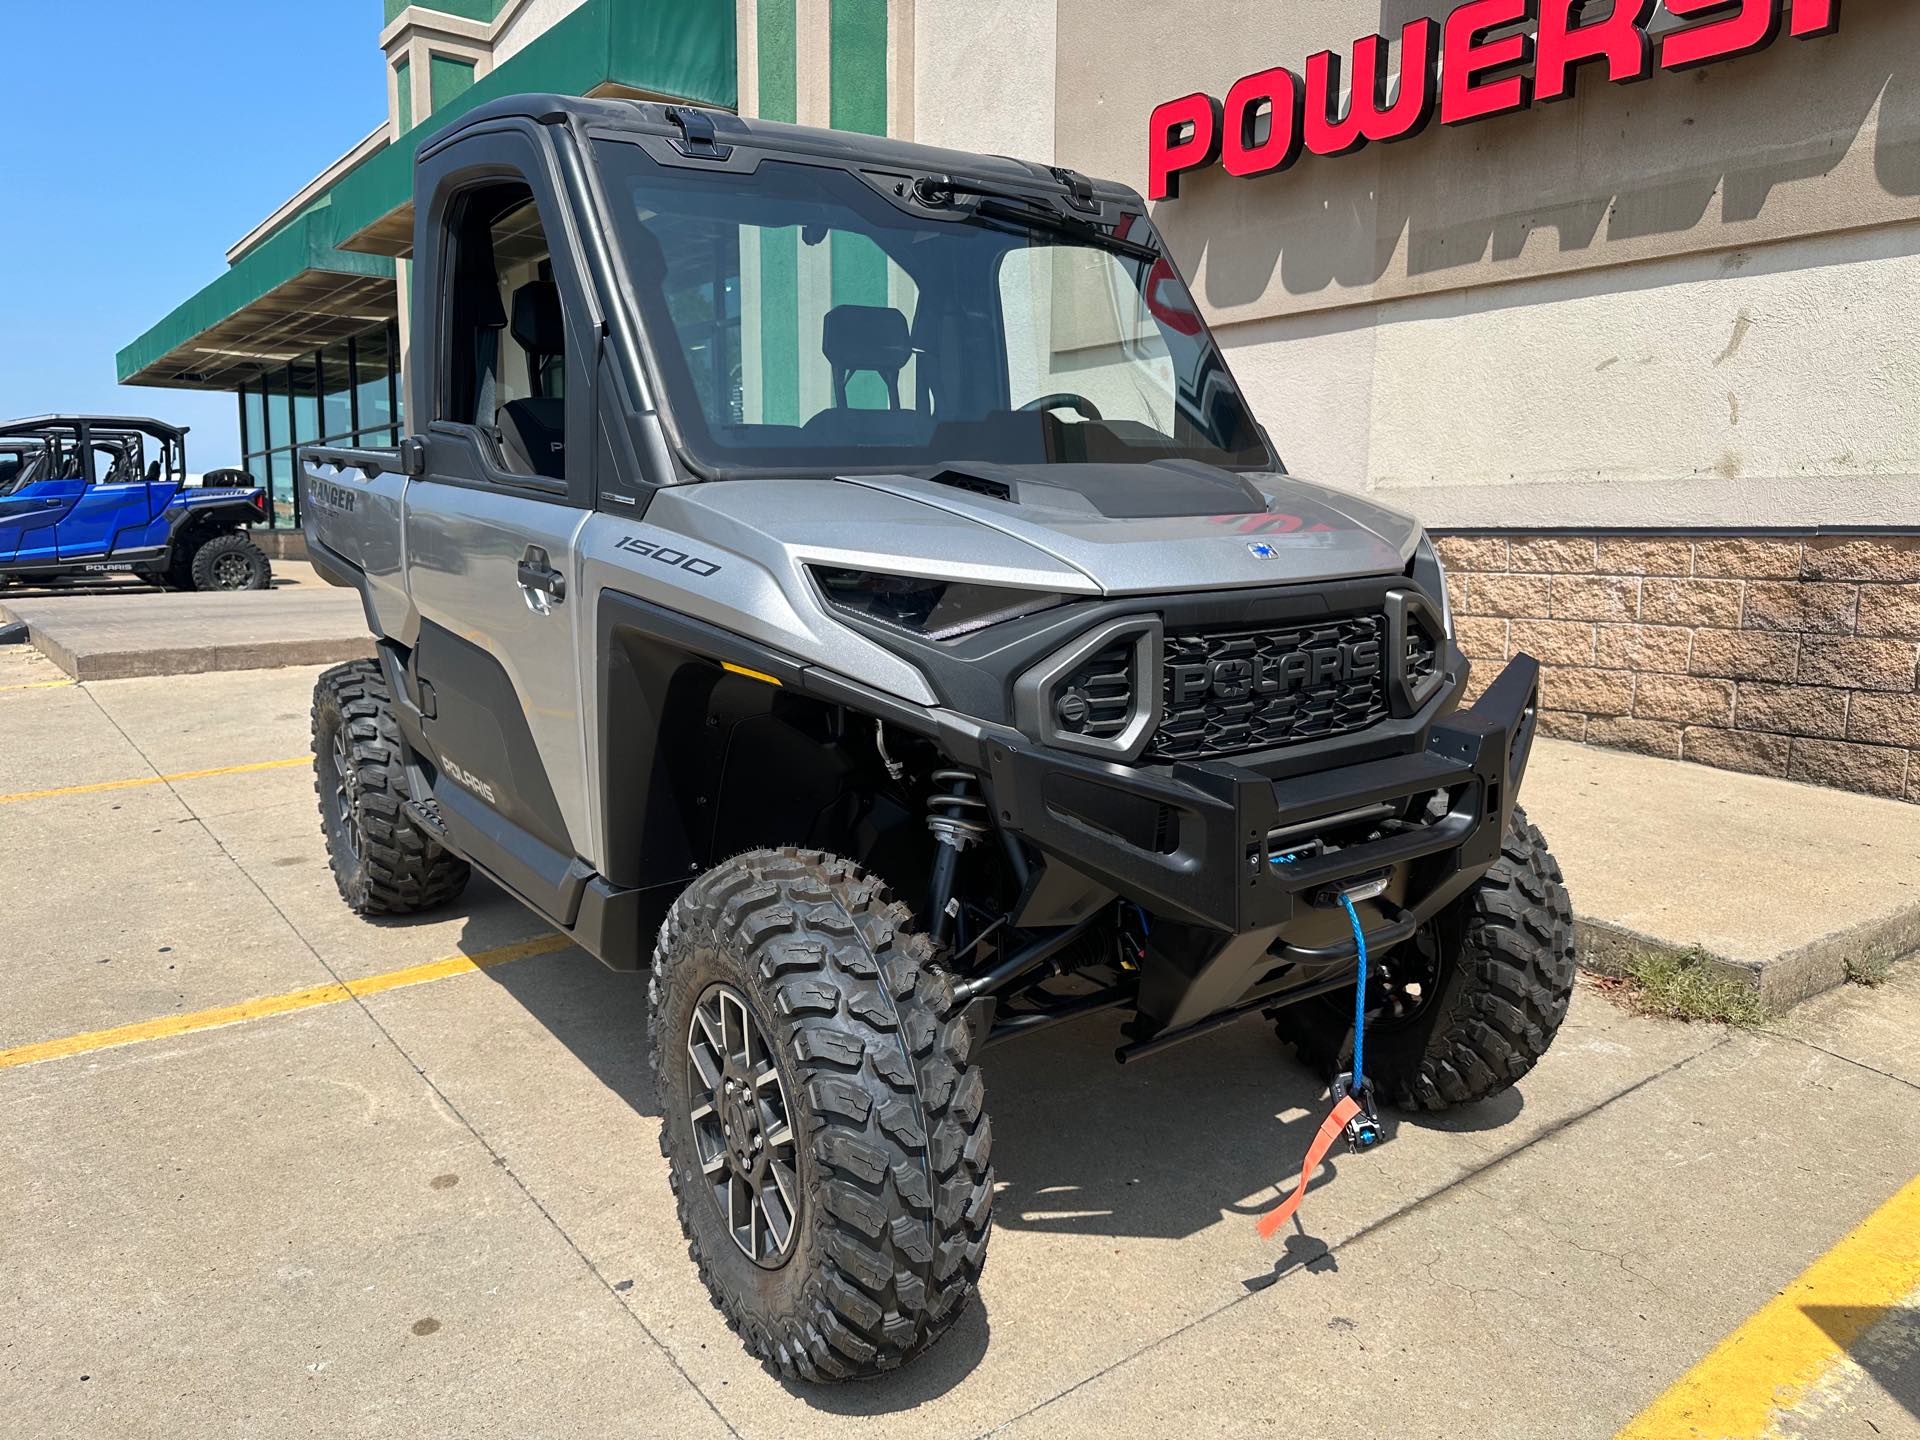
point(1359, 998)
point(1360, 990)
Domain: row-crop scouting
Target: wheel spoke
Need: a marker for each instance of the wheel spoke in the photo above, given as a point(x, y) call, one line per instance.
point(733, 1028)
point(777, 1218)
point(741, 1205)
point(710, 1028)
point(708, 1072)
point(785, 1182)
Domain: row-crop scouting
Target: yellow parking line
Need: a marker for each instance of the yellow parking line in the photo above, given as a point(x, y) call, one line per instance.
point(167, 1026)
point(155, 779)
point(1776, 1357)
point(39, 685)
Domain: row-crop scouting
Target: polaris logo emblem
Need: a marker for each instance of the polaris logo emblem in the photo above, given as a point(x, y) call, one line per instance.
point(1272, 675)
point(1260, 550)
point(468, 780)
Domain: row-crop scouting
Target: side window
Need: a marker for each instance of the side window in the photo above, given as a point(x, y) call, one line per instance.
point(505, 366)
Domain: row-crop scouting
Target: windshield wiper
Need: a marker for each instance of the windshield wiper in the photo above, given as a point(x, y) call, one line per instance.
point(1019, 208)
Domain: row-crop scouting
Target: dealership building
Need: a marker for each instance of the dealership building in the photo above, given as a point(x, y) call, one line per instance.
point(1626, 305)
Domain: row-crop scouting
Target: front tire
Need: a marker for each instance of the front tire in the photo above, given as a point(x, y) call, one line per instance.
point(384, 861)
point(230, 562)
point(890, 1180)
point(1496, 973)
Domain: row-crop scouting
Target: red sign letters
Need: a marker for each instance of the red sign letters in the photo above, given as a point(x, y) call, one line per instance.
point(1487, 58)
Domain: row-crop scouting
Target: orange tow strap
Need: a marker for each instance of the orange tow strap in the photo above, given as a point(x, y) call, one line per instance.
point(1330, 1129)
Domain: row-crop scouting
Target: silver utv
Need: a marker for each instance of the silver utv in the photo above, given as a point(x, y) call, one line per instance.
point(843, 578)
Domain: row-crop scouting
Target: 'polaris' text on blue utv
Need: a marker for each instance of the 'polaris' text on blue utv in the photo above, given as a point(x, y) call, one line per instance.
point(78, 497)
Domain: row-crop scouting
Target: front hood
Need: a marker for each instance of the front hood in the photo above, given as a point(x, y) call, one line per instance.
point(1172, 527)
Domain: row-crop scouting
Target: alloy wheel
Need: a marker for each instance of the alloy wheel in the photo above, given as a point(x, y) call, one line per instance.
point(231, 572)
point(345, 815)
point(742, 1130)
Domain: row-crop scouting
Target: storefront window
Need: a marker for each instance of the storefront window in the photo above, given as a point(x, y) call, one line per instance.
point(280, 488)
point(306, 402)
point(253, 417)
point(336, 404)
point(279, 408)
point(374, 368)
point(344, 395)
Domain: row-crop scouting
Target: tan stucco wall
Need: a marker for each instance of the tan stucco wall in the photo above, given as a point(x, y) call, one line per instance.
point(1524, 321)
point(984, 75)
point(527, 22)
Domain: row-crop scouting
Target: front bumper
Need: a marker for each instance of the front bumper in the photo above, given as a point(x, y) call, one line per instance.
point(1229, 850)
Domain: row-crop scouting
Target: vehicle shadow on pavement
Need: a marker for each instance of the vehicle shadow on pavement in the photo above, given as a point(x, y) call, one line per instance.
point(1883, 1340)
point(1160, 1149)
point(597, 1013)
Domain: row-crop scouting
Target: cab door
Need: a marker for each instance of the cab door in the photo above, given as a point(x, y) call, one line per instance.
point(492, 525)
point(30, 517)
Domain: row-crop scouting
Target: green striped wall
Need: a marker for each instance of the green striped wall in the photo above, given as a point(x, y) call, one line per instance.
point(449, 77)
point(857, 100)
point(779, 99)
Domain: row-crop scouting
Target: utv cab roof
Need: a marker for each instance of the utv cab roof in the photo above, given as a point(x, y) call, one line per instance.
point(712, 135)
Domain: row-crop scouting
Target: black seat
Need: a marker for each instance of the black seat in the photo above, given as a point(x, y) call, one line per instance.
point(876, 338)
point(533, 431)
point(538, 324)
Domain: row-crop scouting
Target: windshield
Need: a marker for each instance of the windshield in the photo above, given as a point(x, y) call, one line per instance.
point(802, 321)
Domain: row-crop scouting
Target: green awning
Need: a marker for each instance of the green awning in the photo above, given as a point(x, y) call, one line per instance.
point(632, 47)
point(285, 298)
point(328, 273)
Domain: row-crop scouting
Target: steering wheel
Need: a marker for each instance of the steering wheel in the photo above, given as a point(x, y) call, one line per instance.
point(1064, 400)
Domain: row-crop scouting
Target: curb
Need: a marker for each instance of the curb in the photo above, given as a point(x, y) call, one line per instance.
point(1781, 981)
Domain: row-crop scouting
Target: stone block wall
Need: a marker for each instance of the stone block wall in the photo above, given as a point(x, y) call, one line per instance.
point(1791, 657)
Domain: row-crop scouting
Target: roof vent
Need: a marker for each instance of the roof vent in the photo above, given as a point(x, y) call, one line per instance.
point(975, 484)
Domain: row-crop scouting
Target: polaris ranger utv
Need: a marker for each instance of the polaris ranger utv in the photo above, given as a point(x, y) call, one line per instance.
point(83, 499)
point(844, 577)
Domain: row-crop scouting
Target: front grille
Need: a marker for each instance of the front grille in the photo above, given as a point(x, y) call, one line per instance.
point(1422, 658)
point(1231, 716)
point(1095, 700)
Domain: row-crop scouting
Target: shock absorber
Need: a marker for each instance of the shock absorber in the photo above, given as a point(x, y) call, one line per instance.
point(956, 816)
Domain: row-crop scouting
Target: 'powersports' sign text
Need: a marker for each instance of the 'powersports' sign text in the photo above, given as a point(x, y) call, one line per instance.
point(1487, 58)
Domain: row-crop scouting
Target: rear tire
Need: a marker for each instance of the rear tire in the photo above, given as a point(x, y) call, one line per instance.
point(179, 572)
point(891, 1183)
point(384, 861)
point(1505, 971)
point(230, 562)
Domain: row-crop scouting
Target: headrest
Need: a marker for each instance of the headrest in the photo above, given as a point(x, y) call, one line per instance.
point(537, 322)
point(866, 337)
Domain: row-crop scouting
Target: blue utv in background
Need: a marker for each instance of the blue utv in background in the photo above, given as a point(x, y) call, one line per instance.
point(78, 496)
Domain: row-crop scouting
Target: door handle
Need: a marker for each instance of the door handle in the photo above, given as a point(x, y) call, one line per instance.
point(53, 504)
point(537, 574)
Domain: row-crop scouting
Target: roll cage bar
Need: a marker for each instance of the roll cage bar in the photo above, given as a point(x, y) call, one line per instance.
point(73, 438)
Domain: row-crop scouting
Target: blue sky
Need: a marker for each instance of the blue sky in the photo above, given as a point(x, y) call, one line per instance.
point(140, 139)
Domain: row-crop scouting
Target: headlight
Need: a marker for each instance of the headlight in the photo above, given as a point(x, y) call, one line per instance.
point(1431, 576)
point(936, 609)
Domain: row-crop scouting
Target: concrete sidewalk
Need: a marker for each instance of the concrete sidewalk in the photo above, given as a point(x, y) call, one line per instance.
point(114, 631)
point(441, 1209)
point(1783, 883)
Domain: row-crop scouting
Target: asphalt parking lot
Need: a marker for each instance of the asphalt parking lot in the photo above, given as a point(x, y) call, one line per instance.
point(274, 1170)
